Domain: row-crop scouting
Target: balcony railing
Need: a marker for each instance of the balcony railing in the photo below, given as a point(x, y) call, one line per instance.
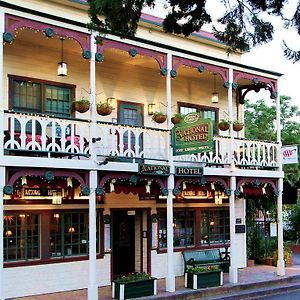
point(56, 137)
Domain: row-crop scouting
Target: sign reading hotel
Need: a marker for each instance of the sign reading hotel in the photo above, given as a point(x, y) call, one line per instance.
point(154, 169)
point(189, 171)
point(192, 135)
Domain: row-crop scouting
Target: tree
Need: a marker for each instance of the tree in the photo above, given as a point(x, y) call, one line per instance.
point(241, 26)
point(260, 124)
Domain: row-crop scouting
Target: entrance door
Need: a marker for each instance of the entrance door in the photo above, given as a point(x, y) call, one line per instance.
point(123, 243)
point(131, 114)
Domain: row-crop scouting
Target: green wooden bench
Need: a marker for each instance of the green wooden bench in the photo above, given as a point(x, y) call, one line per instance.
point(203, 258)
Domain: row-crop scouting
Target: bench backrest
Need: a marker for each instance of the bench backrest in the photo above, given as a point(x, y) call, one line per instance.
point(202, 256)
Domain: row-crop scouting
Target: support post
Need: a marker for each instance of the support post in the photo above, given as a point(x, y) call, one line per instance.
point(280, 261)
point(233, 272)
point(170, 280)
point(92, 287)
point(2, 184)
point(2, 29)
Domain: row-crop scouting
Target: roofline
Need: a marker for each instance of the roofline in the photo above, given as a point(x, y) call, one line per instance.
point(159, 45)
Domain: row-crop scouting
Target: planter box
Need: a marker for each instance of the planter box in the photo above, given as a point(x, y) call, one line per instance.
point(134, 289)
point(203, 279)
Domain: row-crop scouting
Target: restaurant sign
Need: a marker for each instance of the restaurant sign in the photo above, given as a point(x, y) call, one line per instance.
point(41, 192)
point(146, 169)
point(189, 171)
point(192, 135)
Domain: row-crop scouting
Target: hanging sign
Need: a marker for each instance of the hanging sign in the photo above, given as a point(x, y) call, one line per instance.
point(145, 169)
point(289, 155)
point(192, 135)
point(189, 171)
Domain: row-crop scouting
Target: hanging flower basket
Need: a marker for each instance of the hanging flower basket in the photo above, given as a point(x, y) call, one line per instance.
point(177, 119)
point(159, 117)
point(238, 126)
point(104, 109)
point(81, 106)
point(224, 125)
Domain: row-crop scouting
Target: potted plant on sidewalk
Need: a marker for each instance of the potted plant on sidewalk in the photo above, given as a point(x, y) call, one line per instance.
point(134, 286)
point(202, 277)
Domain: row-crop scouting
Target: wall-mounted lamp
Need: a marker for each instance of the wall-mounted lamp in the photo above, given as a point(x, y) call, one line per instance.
point(151, 109)
point(62, 68)
point(215, 95)
point(218, 198)
point(24, 180)
point(111, 101)
point(56, 198)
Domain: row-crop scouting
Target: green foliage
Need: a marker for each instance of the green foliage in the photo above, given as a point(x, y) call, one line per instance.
point(295, 219)
point(260, 120)
point(224, 121)
point(287, 254)
point(197, 270)
point(241, 26)
point(134, 277)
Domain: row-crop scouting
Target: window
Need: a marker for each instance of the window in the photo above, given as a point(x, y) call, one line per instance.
point(183, 224)
point(69, 234)
point(205, 112)
point(21, 237)
point(33, 95)
point(47, 235)
point(214, 227)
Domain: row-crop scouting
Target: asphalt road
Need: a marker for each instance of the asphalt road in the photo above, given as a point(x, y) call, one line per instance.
point(295, 295)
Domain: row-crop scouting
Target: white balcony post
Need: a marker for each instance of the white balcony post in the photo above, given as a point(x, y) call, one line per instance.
point(280, 262)
point(2, 184)
point(93, 95)
point(2, 29)
point(170, 280)
point(230, 116)
point(92, 287)
point(233, 272)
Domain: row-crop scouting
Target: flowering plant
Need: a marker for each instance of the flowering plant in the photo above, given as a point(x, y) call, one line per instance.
point(134, 277)
point(196, 270)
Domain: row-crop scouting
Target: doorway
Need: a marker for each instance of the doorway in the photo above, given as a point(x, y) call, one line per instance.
point(130, 243)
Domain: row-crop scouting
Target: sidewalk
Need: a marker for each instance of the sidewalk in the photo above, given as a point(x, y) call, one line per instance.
point(253, 276)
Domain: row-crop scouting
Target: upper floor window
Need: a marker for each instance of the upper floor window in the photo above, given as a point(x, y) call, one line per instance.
point(206, 112)
point(37, 96)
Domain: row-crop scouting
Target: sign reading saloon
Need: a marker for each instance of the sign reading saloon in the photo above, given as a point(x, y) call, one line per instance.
point(192, 135)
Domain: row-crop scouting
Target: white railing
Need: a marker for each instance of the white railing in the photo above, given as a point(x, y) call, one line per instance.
point(66, 137)
point(59, 137)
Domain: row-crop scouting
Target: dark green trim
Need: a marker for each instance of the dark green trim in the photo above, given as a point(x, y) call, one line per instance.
point(79, 24)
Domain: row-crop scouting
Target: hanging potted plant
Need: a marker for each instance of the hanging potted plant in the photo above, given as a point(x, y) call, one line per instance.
point(159, 117)
point(82, 105)
point(177, 118)
point(134, 286)
point(104, 109)
point(224, 124)
point(202, 277)
point(237, 125)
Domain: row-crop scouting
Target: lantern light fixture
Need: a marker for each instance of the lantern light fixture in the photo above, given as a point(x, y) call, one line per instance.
point(111, 101)
point(151, 109)
point(62, 68)
point(215, 95)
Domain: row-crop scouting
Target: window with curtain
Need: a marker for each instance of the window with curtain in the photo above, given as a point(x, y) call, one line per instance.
point(214, 227)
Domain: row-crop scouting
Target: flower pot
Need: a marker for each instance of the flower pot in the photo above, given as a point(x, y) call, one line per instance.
point(224, 126)
point(203, 279)
point(159, 118)
point(176, 120)
point(237, 126)
point(104, 110)
point(250, 263)
point(134, 289)
point(81, 107)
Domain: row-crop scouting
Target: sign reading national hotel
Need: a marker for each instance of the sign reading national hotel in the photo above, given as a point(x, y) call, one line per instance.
point(154, 169)
point(192, 135)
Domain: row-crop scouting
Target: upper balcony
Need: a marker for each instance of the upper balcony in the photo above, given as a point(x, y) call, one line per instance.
point(39, 120)
point(33, 135)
